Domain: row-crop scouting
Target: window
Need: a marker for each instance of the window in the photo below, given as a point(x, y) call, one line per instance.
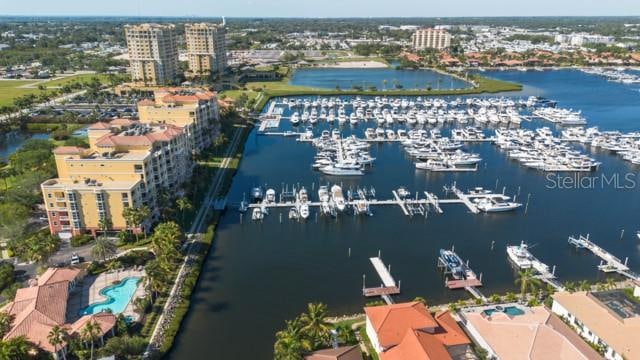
point(55, 223)
point(53, 214)
point(125, 196)
point(49, 195)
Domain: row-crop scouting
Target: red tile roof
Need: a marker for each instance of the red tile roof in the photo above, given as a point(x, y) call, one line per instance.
point(110, 140)
point(391, 322)
point(100, 125)
point(417, 345)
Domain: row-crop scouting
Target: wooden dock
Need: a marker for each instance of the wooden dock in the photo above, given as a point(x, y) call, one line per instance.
point(608, 262)
point(388, 286)
point(465, 199)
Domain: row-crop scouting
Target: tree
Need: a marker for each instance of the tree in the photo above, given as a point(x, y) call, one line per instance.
point(103, 248)
point(13, 220)
point(90, 333)
point(494, 298)
point(5, 323)
point(528, 281)
point(165, 243)
point(37, 247)
point(183, 205)
point(15, 348)
point(611, 283)
point(420, 299)
point(291, 342)
point(315, 324)
point(346, 335)
point(570, 286)
point(510, 297)
point(584, 285)
point(124, 347)
point(57, 337)
point(136, 216)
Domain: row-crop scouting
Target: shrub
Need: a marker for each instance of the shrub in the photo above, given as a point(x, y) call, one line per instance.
point(80, 240)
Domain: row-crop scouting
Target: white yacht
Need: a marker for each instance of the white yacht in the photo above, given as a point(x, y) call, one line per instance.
point(491, 205)
point(257, 214)
point(338, 197)
point(520, 255)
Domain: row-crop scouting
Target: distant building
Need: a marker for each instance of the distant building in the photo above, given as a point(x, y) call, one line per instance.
point(409, 331)
point(153, 53)
point(584, 39)
point(607, 319)
point(430, 38)
point(206, 48)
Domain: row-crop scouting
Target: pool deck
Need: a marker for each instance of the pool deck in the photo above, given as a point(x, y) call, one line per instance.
point(89, 292)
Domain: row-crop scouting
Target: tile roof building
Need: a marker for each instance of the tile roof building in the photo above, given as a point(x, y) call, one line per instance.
point(536, 334)
point(340, 353)
point(39, 308)
point(608, 319)
point(410, 331)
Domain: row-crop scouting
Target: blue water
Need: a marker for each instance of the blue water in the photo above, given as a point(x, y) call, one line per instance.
point(11, 142)
point(118, 296)
point(328, 78)
point(274, 268)
point(509, 310)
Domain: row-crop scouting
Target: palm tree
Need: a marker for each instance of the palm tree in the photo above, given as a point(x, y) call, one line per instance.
point(105, 224)
point(291, 342)
point(611, 283)
point(184, 205)
point(494, 298)
point(570, 286)
point(90, 333)
point(510, 297)
point(346, 334)
point(527, 281)
point(57, 337)
point(103, 248)
point(15, 348)
point(315, 324)
point(420, 299)
point(584, 285)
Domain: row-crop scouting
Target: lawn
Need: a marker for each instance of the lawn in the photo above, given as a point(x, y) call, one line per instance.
point(11, 89)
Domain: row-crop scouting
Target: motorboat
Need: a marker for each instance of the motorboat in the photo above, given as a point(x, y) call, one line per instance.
point(491, 205)
point(293, 213)
point(270, 197)
point(257, 214)
point(520, 255)
point(338, 197)
point(257, 194)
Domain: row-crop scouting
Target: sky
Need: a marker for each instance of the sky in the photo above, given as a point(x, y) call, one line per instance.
point(322, 8)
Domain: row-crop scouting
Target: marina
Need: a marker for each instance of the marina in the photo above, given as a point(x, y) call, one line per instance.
point(270, 256)
point(523, 259)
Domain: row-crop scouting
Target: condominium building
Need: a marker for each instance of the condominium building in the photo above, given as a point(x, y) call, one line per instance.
point(206, 49)
point(153, 53)
point(193, 110)
point(430, 38)
point(128, 164)
point(609, 320)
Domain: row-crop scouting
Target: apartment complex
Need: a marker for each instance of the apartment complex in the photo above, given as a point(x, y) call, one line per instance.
point(430, 38)
point(206, 48)
point(153, 53)
point(193, 110)
point(609, 320)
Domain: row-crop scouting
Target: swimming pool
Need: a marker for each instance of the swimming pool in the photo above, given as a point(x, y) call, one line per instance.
point(118, 296)
point(509, 310)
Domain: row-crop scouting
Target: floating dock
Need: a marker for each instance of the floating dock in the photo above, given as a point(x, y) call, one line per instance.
point(609, 262)
point(388, 286)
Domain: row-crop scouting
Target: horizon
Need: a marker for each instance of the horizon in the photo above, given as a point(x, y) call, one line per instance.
point(329, 9)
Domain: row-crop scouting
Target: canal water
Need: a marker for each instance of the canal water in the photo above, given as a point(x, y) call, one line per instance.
point(382, 78)
point(10, 142)
point(260, 274)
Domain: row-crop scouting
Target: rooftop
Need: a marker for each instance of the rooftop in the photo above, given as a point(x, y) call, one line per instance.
point(619, 333)
point(536, 334)
point(341, 353)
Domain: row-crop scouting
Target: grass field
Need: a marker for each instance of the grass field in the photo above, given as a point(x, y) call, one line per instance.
point(282, 88)
point(11, 89)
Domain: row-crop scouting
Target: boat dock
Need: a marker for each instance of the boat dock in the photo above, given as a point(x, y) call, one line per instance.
point(608, 263)
point(470, 282)
point(465, 199)
point(388, 286)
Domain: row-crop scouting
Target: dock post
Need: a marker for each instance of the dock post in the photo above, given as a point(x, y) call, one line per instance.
point(480, 277)
point(280, 218)
point(526, 208)
point(621, 234)
point(349, 252)
point(492, 244)
point(399, 284)
point(496, 188)
point(379, 254)
point(504, 189)
point(518, 190)
point(363, 278)
point(241, 218)
point(626, 260)
point(453, 247)
point(553, 271)
point(389, 269)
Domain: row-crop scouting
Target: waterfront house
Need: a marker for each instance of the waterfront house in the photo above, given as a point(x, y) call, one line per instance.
point(410, 331)
point(610, 320)
point(518, 332)
point(39, 308)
